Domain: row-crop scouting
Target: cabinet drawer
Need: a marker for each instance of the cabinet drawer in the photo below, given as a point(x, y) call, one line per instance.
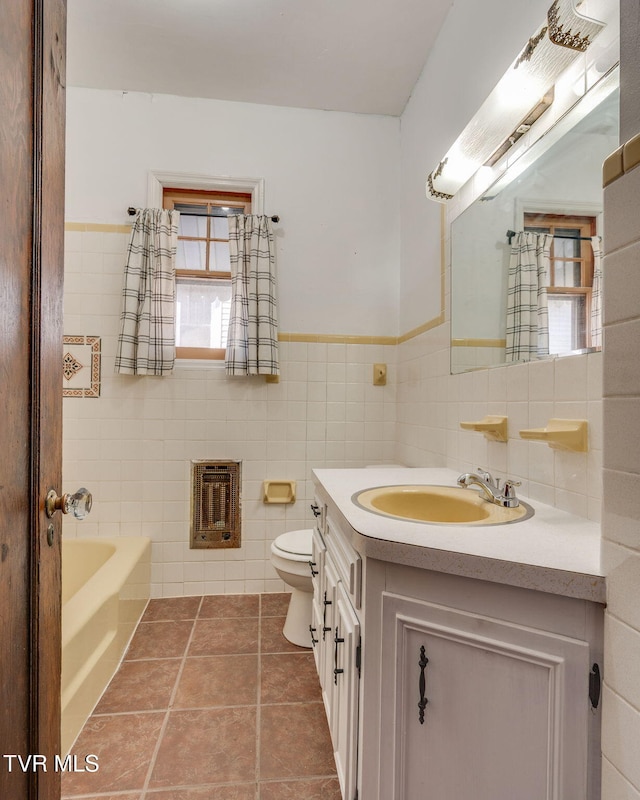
point(319, 511)
point(316, 564)
point(348, 562)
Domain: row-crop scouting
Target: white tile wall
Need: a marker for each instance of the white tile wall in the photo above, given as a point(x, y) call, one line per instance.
point(432, 403)
point(132, 446)
point(621, 510)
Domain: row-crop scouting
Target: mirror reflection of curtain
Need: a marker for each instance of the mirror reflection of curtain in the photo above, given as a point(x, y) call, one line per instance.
point(527, 333)
point(596, 293)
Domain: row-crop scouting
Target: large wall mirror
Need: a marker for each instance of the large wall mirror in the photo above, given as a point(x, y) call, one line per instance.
point(544, 225)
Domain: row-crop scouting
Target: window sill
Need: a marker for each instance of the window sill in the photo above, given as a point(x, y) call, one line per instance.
point(199, 363)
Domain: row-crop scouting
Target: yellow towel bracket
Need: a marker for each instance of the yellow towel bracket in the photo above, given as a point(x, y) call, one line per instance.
point(492, 426)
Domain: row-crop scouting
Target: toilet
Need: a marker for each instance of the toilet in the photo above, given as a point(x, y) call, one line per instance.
point(290, 555)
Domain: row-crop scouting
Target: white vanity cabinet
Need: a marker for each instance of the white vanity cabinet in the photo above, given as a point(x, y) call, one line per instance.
point(335, 632)
point(482, 695)
point(478, 652)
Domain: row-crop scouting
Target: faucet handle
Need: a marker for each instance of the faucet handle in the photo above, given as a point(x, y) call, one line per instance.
point(509, 487)
point(488, 477)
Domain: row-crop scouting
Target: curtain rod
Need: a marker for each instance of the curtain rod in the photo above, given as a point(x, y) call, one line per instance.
point(511, 234)
point(131, 211)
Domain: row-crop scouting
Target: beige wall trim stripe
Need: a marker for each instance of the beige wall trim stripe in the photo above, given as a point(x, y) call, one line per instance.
point(478, 343)
point(330, 338)
point(96, 227)
point(427, 326)
point(622, 160)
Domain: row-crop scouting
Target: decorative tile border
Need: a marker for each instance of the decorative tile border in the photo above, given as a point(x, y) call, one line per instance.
point(81, 366)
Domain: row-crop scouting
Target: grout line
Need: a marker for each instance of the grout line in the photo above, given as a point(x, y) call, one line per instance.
point(120, 793)
point(181, 787)
point(259, 697)
point(156, 750)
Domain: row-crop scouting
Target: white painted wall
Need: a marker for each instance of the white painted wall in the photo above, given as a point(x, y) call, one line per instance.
point(470, 56)
point(332, 177)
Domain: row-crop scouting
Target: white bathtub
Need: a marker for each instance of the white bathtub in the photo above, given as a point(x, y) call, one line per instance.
point(105, 588)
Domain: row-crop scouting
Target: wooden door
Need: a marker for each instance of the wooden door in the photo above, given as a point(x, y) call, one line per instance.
point(32, 66)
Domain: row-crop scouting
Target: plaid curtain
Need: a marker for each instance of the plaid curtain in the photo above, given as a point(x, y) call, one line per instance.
point(527, 315)
point(252, 341)
point(146, 344)
point(596, 293)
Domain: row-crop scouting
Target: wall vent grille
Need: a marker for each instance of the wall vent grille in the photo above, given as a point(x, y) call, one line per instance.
point(215, 504)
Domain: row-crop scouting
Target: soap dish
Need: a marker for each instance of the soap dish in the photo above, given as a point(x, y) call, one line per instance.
point(279, 491)
point(561, 434)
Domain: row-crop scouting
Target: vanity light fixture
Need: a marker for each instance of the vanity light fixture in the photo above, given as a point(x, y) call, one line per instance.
point(607, 84)
point(523, 127)
point(521, 97)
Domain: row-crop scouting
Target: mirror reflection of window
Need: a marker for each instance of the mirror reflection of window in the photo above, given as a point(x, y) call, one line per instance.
point(563, 178)
point(570, 279)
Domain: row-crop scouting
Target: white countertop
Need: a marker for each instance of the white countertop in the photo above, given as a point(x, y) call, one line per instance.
point(551, 552)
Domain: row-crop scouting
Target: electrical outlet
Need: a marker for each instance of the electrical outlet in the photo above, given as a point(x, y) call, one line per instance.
point(379, 374)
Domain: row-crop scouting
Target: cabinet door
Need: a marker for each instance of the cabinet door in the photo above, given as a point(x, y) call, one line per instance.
point(317, 577)
point(506, 707)
point(346, 680)
point(326, 629)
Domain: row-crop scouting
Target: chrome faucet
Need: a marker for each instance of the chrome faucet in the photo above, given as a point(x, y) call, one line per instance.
point(505, 496)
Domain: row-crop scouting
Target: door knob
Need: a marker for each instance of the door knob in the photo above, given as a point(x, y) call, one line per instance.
point(78, 504)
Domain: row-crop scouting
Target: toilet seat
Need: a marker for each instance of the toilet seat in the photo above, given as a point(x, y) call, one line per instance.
point(295, 545)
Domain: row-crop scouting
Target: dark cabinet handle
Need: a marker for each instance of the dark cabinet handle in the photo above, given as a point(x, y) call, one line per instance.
point(314, 641)
point(325, 627)
point(594, 686)
point(314, 572)
point(422, 684)
point(337, 640)
point(316, 509)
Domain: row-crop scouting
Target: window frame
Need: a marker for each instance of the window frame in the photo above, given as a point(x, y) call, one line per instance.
point(586, 224)
point(209, 197)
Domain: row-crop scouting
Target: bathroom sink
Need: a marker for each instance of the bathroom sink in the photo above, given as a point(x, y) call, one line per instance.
point(442, 505)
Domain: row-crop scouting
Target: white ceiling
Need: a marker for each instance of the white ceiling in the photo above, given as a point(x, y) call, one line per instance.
point(344, 55)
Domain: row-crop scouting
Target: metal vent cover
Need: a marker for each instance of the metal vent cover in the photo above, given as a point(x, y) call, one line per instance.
point(215, 504)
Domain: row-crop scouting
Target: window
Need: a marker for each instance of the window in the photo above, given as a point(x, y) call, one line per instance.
point(203, 276)
point(571, 278)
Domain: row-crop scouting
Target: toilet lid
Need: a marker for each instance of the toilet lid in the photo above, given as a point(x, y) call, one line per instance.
point(296, 542)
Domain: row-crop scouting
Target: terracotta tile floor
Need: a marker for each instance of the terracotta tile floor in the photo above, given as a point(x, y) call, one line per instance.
point(210, 703)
